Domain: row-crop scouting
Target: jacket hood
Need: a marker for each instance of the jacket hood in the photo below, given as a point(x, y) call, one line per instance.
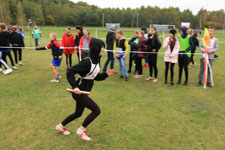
point(80, 27)
point(95, 49)
point(184, 30)
point(112, 28)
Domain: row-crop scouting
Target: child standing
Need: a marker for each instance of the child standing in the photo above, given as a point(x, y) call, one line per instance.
point(68, 41)
point(195, 45)
point(120, 50)
point(133, 42)
point(211, 49)
point(172, 47)
point(57, 51)
point(154, 45)
point(84, 43)
point(36, 34)
point(141, 47)
point(16, 40)
point(4, 42)
point(186, 45)
point(79, 34)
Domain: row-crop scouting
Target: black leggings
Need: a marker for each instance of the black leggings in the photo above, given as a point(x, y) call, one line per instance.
point(139, 65)
point(192, 57)
point(183, 61)
point(15, 55)
point(83, 101)
point(131, 59)
point(171, 66)
point(152, 62)
point(68, 58)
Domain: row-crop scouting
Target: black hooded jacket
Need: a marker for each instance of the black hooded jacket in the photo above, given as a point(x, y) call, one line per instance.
point(153, 43)
point(16, 39)
point(84, 67)
point(4, 40)
point(78, 36)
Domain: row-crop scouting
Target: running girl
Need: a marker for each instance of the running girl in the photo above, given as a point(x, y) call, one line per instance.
point(57, 51)
point(88, 70)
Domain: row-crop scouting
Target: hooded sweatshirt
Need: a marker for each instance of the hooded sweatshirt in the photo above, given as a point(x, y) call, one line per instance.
point(84, 68)
point(110, 38)
point(78, 36)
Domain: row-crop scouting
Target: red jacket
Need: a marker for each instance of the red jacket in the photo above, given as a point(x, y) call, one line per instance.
point(81, 44)
point(68, 41)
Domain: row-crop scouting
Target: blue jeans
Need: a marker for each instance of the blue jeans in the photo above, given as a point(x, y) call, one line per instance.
point(123, 67)
point(109, 59)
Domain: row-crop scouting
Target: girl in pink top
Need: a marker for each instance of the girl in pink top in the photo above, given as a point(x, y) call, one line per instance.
point(172, 47)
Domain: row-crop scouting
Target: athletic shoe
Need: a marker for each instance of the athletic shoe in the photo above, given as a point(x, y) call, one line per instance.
point(165, 82)
point(121, 77)
point(15, 68)
point(155, 80)
point(20, 63)
point(62, 130)
point(7, 71)
point(138, 76)
point(209, 84)
point(179, 83)
point(186, 83)
point(171, 83)
point(83, 134)
point(149, 78)
point(126, 79)
point(54, 80)
point(199, 83)
point(0, 69)
point(59, 77)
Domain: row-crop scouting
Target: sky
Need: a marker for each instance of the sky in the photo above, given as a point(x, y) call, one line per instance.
point(194, 5)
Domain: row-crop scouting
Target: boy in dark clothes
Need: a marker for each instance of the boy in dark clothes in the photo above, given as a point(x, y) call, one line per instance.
point(195, 45)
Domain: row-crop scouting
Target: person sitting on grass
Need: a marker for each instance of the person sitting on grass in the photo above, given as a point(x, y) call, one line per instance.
point(120, 49)
point(57, 51)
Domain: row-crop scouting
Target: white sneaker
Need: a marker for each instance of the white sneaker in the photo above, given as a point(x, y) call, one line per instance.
point(83, 134)
point(15, 68)
point(7, 71)
point(20, 63)
point(0, 69)
point(62, 130)
point(54, 81)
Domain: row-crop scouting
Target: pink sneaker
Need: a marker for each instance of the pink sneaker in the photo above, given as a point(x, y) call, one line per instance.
point(149, 78)
point(155, 80)
point(138, 76)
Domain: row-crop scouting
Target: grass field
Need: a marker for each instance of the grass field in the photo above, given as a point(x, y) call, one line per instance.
point(136, 115)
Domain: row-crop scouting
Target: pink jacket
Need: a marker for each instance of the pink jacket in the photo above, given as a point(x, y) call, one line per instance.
point(171, 57)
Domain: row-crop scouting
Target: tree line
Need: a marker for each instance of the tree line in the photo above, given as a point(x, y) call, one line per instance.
point(65, 12)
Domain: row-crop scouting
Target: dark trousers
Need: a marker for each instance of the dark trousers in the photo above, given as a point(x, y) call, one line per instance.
point(139, 65)
point(183, 62)
point(17, 51)
point(192, 56)
point(82, 102)
point(68, 60)
point(202, 70)
point(131, 59)
point(152, 62)
point(110, 58)
point(170, 66)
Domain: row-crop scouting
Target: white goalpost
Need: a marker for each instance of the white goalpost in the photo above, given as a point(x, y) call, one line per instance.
point(163, 28)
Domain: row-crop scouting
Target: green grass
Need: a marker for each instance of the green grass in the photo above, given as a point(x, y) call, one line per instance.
point(136, 115)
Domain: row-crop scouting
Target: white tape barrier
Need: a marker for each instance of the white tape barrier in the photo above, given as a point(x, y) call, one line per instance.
point(87, 49)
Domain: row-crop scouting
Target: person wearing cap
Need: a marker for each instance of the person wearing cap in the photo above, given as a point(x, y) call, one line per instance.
point(172, 46)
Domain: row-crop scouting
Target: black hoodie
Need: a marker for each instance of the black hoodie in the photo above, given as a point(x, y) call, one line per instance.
point(78, 36)
point(84, 67)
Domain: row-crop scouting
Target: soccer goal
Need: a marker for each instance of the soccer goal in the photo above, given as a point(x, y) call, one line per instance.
point(163, 28)
point(116, 25)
